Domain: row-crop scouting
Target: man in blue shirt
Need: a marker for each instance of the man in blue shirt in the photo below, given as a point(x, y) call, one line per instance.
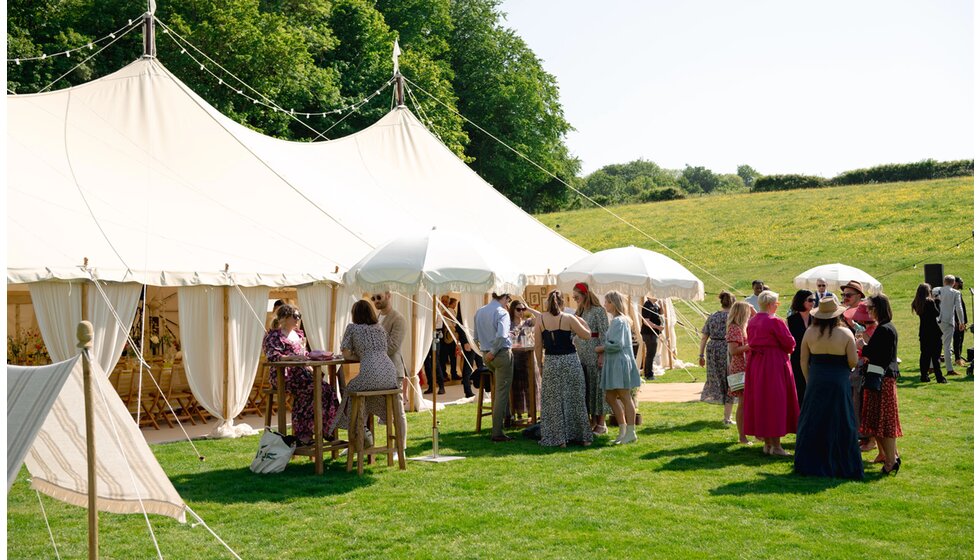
point(492, 324)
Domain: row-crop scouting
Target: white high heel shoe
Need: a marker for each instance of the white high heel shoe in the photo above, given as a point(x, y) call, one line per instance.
point(630, 435)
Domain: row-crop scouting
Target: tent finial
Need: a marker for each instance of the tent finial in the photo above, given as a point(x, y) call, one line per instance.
point(85, 262)
point(399, 80)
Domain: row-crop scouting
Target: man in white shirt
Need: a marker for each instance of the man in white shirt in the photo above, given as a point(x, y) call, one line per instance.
point(950, 314)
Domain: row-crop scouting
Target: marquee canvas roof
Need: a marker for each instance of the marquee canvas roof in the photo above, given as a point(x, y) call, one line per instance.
point(139, 175)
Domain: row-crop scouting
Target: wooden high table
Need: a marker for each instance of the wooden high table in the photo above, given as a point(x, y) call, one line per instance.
point(337, 379)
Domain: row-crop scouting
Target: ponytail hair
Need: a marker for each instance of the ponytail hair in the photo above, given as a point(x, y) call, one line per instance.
point(556, 303)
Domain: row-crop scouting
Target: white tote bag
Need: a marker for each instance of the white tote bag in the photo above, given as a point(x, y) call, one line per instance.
point(273, 455)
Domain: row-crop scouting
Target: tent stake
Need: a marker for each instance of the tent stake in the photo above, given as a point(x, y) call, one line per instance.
point(85, 334)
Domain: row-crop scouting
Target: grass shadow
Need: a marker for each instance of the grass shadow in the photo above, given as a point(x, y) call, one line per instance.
point(471, 444)
point(299, 480)
point(690, 427)
point(709, 456)
point(789, 483)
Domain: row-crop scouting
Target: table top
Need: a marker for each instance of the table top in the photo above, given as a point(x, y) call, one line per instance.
point(303, 363)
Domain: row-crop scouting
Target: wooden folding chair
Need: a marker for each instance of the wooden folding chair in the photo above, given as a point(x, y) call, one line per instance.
point(180, 392)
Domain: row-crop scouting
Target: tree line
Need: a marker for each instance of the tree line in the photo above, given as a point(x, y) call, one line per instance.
point(642, 181)
point(318, 55)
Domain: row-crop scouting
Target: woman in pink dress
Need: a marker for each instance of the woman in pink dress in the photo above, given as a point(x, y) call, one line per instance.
point(771, 408)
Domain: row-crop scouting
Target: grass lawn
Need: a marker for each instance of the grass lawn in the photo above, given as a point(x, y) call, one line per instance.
point(685, 490)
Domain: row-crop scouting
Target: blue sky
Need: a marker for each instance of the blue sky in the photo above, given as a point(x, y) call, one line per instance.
point(787, 87)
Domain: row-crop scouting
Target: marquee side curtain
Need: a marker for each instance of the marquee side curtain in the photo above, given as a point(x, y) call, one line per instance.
point(110, 337)
point(30, 394)
point(127, 471)
point(201, 317)
point(314, 304)
point(58, 305)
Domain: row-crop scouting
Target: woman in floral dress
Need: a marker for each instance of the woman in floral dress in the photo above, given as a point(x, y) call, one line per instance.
point(714, 357)
point(284, 341)
point(564, 418)
point(591, 311)
point(366, 340)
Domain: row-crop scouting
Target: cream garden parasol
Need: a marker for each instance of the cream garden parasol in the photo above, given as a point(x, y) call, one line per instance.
point(436, 262)
point(837, 275)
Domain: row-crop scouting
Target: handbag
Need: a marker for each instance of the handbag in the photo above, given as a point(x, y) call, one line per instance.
point(873, 376)
point(736, 381)
point(275, 451)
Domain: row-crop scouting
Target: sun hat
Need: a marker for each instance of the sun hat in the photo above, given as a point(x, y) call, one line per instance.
point(828, 309)
point(861, 315)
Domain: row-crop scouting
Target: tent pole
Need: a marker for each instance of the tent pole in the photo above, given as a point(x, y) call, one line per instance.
point(84, 300)
point(399, 89)
point(226, 407)
point(149, 36)
point(332, 327)
point(432, 367)
point(85, 335)
point(415, 350)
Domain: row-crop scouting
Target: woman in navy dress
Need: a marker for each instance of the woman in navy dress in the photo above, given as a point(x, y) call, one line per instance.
point(827, 437)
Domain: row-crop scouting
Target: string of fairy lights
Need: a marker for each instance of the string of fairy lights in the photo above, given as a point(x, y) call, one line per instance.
point(87, 46)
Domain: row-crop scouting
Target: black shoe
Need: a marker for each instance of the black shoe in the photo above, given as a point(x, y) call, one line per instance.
point(457, 377)
point(924, 378)
point(648, 378)
point(940, 380)
point(895, 467)
point(427, 391)
point(469, 395)
point(441, 391)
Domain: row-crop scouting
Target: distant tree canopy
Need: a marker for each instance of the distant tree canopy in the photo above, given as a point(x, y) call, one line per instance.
point(318, 55)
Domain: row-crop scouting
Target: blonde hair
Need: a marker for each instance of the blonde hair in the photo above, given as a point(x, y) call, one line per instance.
point(767, 298)
point(619, 302)
point(739, 315)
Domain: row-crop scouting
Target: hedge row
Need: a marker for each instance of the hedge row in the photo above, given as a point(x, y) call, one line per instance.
point(787, 182)
point(895, 172)
point(891, 173)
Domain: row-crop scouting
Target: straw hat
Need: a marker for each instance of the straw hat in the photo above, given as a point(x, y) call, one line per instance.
point(828, 309)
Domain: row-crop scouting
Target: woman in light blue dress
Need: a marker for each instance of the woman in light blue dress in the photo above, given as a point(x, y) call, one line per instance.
point(620, 372)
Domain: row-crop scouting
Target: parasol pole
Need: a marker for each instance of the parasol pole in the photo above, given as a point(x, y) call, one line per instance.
point(85, 335)
point(435, 457)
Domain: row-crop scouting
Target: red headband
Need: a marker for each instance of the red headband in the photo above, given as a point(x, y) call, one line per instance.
point(582, 288)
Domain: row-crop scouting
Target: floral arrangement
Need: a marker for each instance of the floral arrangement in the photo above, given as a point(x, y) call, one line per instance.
point(27, 348)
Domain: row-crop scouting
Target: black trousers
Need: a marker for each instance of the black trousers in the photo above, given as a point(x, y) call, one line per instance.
point(958, 344)
point(650, 342)
point(471, 357)
point(929, 352)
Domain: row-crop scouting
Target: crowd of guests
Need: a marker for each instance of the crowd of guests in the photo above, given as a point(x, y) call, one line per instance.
point(588, 365)
point(827, 372)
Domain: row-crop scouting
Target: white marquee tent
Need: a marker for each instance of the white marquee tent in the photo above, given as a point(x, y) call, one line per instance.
point(138, 176)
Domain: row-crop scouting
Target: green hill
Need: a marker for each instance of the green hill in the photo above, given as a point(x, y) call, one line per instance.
point(881, 229)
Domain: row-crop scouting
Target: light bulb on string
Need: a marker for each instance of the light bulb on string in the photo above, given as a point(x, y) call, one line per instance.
point(91, 46)
point(43, 56)
point(17, 60)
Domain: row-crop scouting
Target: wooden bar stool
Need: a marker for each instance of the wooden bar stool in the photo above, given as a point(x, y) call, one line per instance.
point(486, 377)
point(355, 431)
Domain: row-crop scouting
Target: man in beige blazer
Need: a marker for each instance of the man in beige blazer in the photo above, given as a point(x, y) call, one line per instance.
point(394, 324)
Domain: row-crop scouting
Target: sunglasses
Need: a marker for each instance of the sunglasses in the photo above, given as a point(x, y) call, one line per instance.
point(821, 286)
point(377, 297)
point(848, 294)
point(296, 316)
point(521, 309)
